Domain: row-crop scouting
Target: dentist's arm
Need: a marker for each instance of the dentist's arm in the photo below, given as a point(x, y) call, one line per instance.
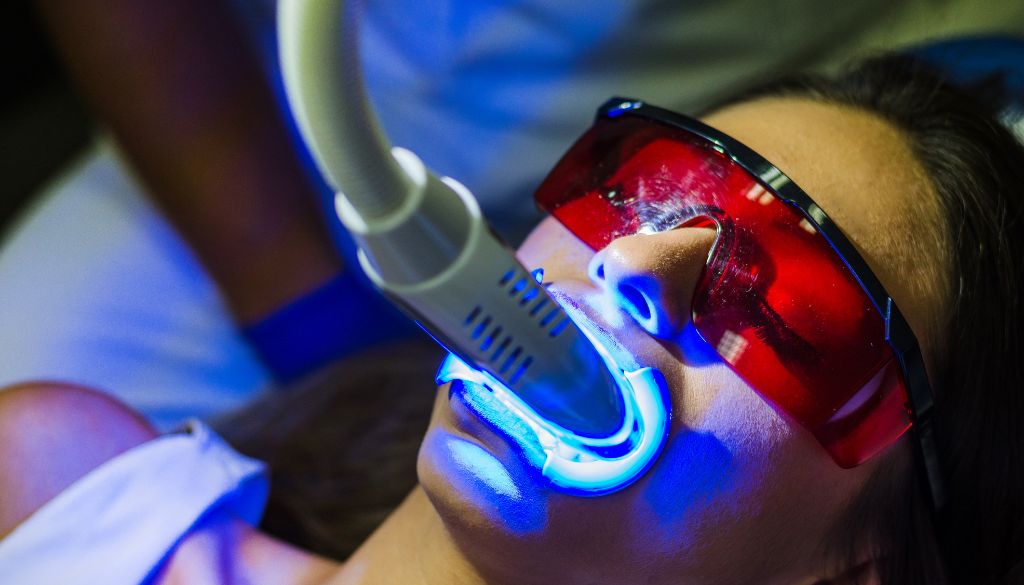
point(182, 90)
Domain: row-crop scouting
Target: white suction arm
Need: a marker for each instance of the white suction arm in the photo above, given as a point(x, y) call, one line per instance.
point(424, 242)
point(323, 79)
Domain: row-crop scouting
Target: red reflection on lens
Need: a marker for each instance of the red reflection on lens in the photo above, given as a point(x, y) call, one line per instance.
point(775, 300)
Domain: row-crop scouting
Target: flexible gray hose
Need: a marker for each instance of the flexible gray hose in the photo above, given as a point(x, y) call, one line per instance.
point(323, 79)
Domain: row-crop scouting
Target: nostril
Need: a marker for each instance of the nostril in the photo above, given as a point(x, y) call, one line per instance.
point(636, 299)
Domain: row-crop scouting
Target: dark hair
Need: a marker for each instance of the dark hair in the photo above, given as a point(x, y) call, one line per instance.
point(341, 444)
point(976, 167)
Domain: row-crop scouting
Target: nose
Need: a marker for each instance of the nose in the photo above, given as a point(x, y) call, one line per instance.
point(652, 277)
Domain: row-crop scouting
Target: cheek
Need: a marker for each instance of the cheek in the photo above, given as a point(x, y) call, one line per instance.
point(554, 248)
point(757, 434)
point(724, 465)
point(741, 475)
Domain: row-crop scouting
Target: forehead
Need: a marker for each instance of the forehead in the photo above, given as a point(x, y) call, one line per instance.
point(863, 173)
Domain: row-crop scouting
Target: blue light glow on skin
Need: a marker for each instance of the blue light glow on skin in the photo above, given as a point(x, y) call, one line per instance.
point(694, 466)
point(495, 488)
point(570, 463)
point(484, 467)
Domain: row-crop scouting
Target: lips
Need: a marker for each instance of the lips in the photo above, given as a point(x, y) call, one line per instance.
point(501, 420)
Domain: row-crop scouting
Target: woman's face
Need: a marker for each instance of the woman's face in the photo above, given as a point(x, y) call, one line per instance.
point(740, 494)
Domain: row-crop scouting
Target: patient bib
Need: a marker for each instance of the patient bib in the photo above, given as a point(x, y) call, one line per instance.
point(117, 524)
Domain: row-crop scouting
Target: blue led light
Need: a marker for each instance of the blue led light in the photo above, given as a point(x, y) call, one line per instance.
point(570, 463)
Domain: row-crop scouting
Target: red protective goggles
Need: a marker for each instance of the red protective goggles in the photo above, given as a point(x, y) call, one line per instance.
point(784, 299)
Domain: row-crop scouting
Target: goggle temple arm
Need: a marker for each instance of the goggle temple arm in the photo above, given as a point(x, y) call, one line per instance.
point(922, 403)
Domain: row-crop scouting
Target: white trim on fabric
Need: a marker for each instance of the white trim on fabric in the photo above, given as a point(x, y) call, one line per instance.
point(116, 524)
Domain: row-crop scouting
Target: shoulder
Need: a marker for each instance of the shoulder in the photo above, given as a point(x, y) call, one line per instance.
point(52, 434)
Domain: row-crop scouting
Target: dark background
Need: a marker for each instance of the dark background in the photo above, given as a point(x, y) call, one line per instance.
point(43, 124)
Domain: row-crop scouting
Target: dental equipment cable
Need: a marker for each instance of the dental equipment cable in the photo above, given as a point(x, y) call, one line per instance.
point(424, 242)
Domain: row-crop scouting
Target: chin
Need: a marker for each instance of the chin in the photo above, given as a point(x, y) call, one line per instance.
point(475, 479)
point(502, 534)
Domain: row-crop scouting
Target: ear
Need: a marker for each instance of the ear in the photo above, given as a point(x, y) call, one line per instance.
point(865, 573)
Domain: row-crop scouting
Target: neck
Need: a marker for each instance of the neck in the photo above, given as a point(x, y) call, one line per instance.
point(411, 547)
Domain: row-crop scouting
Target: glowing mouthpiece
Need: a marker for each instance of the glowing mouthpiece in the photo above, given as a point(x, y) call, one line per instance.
point(572, 463)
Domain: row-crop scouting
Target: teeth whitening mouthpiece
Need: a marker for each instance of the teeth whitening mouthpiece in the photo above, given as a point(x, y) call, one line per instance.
point(571, 463)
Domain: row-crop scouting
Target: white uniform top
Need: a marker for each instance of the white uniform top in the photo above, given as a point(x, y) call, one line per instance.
point(117, 524)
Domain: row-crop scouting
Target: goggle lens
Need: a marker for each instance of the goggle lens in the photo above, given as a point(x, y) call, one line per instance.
point(775, 300)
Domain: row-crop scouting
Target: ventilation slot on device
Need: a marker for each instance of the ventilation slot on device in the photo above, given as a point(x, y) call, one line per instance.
point(511, 359)
point(501, 348)
point(473, 315)
point(529, 296)
point(490, 339)
point(481, 327)
point(560, 327)
point(522, 370)
point(554, 312)
point(540, 305)
point(507, 277)
point(518, 287)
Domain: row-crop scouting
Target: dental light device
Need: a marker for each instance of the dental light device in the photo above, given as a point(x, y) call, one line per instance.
point(424, 242)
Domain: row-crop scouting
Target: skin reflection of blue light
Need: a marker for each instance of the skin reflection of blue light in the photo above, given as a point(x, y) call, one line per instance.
point(567, 461)
point(694, 467)
point(484, 467)
point(495, 489)
point(698, 352)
